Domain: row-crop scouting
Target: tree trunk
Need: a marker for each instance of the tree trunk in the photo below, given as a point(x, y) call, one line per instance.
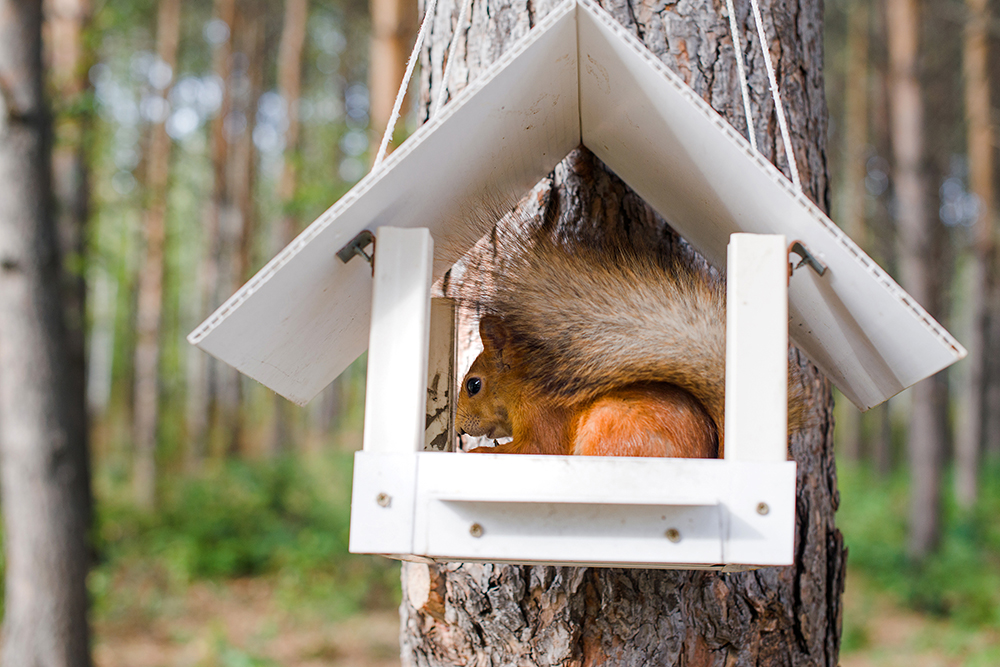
point(66, 22)
point(238, 213)
point(149, 307)
point(203, 370)
point(980, 140)
point(293, 37)
point(852, 201)
point(391, 41)
point(43, 476)
point(882, 451)
point(915, 240)
point(495, 614)
point(992, 422)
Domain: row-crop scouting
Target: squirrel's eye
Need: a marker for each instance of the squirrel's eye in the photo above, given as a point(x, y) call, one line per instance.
point(473, 385)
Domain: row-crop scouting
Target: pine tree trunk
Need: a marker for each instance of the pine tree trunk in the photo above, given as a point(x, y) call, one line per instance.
point(464, 614)
point(43, 486)
point(852, 200)
point(202, 369)
point(915, 239)
point(391, 41)
point(239, 217)
point(290, 50)
point(65, 25)
point(980, 140)
point(150, 302)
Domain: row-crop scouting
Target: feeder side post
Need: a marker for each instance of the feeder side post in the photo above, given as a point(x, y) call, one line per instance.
point(396, 392)
point(441, 386)
point(757, 348)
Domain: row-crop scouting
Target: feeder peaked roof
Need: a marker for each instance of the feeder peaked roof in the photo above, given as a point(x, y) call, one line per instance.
point(576, 78)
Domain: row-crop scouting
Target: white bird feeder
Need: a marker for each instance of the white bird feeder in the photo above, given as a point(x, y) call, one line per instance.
point(576, 78)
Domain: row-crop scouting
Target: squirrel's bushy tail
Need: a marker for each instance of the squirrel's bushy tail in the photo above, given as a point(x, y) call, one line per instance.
point(592, 317)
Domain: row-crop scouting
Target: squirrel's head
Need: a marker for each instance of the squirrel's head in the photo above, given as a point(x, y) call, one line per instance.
point(482, 410)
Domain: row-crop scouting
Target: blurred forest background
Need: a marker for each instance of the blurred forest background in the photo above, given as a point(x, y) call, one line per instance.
point(194, 140)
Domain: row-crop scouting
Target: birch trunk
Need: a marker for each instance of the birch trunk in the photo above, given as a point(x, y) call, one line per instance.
point(512, 615)
point(43, 485)
point(915, 241)
point(980, 139)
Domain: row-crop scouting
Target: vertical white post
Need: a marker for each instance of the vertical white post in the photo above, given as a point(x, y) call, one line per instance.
point(396, 393)
point(441, 394)
point(757, 348)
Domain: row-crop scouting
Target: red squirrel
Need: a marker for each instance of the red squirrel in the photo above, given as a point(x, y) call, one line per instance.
point(599, 350)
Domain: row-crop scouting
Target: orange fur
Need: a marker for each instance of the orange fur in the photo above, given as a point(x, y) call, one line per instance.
point(646, 420)
point(609, 348)
point(642, 419)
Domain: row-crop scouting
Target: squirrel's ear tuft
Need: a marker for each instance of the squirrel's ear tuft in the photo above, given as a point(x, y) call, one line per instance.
point(493, 331)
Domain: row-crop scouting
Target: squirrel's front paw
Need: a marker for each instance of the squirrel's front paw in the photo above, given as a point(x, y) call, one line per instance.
point(506, 448)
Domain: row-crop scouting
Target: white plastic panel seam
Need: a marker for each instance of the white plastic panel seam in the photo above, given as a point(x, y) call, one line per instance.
point(396, 392)
point(757, 348)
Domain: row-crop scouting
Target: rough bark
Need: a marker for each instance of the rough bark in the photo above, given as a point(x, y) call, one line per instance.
point(43, 477)
point(980, 140)
point(512, 615)
point(915, 241)
point(150, 300)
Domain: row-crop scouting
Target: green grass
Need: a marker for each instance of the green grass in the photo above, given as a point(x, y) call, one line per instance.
point(960, 581)
point(287, 519)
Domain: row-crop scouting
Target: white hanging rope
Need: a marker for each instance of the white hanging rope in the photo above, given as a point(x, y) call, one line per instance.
point(782, 123)
point(443, 91)
point(411, 63)
point(738, 48)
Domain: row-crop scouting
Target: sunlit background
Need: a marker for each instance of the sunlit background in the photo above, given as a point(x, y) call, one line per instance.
point(239, 556)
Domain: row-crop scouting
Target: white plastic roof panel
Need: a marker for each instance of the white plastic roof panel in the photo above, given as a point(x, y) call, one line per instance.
point(300, 321)
point(305, 316)
point(863, 331)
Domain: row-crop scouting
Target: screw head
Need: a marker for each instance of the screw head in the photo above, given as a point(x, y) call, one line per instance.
point(476, 530)
point(673, 535)
point(383, 499)
point(762, 509)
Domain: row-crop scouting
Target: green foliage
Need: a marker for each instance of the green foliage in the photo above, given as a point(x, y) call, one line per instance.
point(961, 580)
point(287, 518)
